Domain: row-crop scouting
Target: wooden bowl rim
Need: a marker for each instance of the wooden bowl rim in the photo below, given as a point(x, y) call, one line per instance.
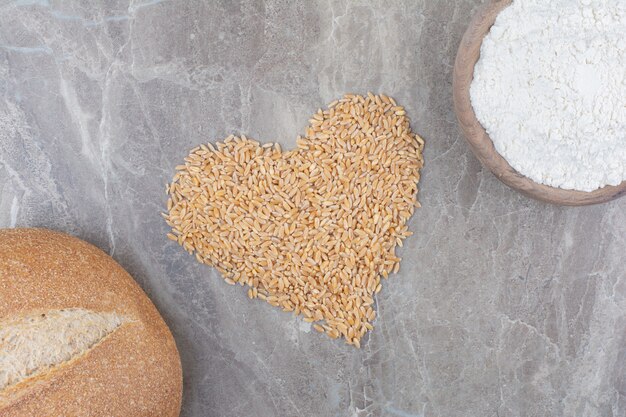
point(478, 139)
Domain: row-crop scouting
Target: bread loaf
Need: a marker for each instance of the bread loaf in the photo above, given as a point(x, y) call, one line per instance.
point(78, 337)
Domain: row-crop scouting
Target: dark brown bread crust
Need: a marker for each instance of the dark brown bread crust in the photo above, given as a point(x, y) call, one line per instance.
point(133, 372)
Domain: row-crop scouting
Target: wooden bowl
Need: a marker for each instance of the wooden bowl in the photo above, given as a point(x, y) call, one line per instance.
point(479, 141)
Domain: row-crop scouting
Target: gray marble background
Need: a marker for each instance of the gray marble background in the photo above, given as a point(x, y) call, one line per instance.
point(504, 306)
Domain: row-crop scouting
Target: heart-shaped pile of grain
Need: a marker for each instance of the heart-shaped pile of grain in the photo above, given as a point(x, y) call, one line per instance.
point(309, 230)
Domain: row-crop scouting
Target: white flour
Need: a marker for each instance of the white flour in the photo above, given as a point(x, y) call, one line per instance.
point(550, 89)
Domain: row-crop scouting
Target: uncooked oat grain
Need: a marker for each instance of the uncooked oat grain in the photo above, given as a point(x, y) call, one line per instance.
point(309, 230)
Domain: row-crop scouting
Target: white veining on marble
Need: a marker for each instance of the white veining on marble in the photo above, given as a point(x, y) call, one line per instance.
point(28, 50)
point(15, 206)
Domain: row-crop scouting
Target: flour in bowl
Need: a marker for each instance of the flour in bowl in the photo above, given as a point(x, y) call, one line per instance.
point(550, 90)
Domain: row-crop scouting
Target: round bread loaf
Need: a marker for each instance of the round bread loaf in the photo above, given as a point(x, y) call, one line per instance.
point(78, 337)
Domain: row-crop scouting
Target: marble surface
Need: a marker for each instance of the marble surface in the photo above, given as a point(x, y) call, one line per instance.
point(504, 306)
